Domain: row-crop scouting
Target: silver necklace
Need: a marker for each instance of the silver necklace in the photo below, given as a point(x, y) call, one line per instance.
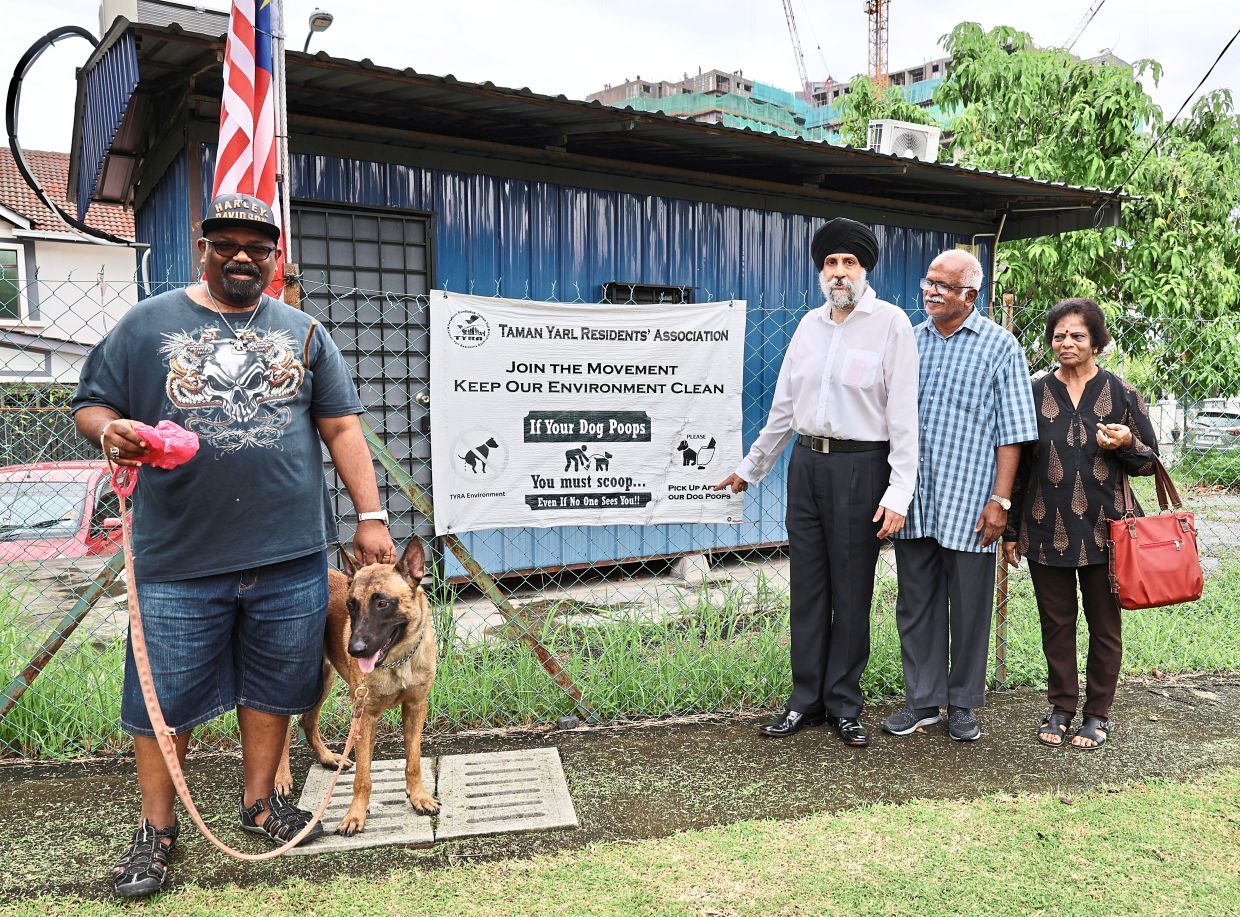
point(235, 333)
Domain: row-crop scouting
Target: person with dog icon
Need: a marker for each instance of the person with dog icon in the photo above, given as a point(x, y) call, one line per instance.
point(847, 392)
point(229, 549)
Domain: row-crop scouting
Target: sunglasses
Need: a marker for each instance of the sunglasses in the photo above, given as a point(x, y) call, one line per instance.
point(226, 249)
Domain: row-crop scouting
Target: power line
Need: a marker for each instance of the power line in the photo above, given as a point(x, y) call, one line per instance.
point(826, 70)
point(1167, 125)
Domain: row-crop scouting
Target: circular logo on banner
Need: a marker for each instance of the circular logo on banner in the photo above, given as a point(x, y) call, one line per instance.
point(479, 454)
point(468, 329)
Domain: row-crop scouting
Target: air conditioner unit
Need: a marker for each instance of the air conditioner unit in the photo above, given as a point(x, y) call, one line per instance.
point(901, 138)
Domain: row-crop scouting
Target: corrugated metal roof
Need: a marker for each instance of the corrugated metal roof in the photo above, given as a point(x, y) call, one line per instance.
point(358, 99)
point(108, 79)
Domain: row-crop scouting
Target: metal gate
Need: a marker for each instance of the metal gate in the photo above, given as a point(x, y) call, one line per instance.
point(347, 256)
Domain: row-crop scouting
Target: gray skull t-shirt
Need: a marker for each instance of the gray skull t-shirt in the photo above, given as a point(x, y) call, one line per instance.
point(255, 492)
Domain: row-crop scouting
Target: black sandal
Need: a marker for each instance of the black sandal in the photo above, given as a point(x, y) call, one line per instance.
point(1055, 723)
point(143, 866)
point(1096, 730)
point(283, 824)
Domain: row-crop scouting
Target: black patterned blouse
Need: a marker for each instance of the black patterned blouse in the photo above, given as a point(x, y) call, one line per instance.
point(1066, 486)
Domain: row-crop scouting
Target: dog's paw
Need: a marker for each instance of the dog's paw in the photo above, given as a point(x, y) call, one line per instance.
point(331, 761)
point(352, 823)
point(424, 803)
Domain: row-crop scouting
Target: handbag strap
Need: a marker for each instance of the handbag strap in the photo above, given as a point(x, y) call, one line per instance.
point(1164, 487)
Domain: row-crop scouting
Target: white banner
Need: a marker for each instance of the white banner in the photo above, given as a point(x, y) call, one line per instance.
point(546, 414)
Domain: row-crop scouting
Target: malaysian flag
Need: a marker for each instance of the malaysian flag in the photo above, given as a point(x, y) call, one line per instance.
point(246, 156)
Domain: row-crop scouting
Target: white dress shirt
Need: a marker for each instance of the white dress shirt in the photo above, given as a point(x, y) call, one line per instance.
point(856, 379)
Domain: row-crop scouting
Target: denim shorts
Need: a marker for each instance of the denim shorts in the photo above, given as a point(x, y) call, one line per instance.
point(251, 638)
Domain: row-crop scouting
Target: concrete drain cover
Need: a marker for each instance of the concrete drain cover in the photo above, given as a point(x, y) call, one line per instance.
point(488, 793)
point(503, 791)
point(391, 819)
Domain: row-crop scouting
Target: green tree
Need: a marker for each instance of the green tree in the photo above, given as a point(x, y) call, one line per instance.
point(862, 104)
point(1169, 274)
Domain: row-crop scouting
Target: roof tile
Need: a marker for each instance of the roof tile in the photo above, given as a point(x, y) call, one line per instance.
point(52, 172)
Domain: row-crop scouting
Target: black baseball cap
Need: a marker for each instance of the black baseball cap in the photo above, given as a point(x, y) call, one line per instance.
point(241, 210)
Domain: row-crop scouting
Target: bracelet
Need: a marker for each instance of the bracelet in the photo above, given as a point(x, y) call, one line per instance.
point(104, 432)
point(379, 515)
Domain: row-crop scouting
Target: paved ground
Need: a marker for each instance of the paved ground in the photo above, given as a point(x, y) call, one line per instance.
point(61, 827)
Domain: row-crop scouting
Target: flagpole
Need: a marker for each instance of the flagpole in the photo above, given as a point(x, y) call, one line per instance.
point(283, 181)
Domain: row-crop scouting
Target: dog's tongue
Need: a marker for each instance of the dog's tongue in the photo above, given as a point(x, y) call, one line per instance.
point(367, 663)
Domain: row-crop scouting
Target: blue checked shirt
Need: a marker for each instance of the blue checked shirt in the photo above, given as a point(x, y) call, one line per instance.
point(974, 395)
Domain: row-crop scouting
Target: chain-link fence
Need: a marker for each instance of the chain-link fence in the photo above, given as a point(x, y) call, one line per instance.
point(526, 634)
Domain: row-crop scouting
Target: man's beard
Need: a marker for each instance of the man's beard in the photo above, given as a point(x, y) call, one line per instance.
point(242, 288)
point(845, 298)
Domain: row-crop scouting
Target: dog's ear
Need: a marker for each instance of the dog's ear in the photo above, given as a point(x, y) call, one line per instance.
point(412, 564)
point(350, 565)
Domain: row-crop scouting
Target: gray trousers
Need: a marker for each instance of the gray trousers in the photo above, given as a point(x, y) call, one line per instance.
point(833, 550)
point(943, 615)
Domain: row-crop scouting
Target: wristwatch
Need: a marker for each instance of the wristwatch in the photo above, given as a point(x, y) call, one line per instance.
point(379, 514)
point(1002, 501)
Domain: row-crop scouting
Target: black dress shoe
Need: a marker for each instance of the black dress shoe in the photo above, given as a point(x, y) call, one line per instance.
point(850, 730)
point(791, 722)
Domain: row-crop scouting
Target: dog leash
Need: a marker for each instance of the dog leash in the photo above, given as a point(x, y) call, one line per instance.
point(124, 479)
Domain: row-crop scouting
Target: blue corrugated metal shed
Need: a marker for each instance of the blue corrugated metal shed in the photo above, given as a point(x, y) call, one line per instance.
point(544, 240)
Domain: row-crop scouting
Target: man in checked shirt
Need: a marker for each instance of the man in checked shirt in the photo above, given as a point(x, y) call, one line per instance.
point(975, 408)
point(847, 390)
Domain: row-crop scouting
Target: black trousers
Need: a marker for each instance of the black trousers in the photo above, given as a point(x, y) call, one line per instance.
point(1055, 590)
point(833, 548)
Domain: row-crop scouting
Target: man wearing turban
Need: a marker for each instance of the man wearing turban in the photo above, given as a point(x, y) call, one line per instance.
point(847, 393)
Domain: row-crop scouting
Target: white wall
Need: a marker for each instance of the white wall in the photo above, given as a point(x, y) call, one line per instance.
point(83, 289)
point(76, 293)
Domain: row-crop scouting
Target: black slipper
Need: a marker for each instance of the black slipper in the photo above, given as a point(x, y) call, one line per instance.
point(1096, 730)
point(1055, 723)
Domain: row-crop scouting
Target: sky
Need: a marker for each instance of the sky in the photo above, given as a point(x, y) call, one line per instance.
point(574, 47)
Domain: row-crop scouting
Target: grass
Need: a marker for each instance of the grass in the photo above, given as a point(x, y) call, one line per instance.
point(1142, 848)
point(720, 651)
point(1216, 468)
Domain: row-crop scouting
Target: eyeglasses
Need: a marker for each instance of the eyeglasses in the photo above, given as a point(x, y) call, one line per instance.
point(938, 286)
point(226, 249)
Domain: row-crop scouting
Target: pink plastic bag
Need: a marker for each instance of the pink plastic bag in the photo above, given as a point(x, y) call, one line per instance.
point(167, 445)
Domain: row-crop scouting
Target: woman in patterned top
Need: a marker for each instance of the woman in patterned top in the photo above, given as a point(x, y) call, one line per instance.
point(1093, 427)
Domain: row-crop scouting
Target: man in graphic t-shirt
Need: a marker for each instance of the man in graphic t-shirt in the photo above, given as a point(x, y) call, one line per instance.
point(229, 549)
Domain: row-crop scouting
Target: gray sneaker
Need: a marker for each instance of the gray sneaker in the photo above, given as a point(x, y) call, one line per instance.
point(962, 725)
point(909, 720)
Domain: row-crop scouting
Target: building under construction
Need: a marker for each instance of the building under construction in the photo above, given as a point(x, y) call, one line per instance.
point(732, 99)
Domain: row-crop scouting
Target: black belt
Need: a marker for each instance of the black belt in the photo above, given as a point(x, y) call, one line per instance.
point(827, 444)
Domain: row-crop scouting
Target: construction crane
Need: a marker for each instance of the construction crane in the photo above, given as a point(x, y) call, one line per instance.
point(796, 47)
point(1083, 24)
point(877, 11)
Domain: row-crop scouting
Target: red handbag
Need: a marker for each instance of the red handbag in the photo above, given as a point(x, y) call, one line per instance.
point(1153, 559)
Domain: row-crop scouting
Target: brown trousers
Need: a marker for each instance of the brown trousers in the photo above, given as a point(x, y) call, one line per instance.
point(1055, 589)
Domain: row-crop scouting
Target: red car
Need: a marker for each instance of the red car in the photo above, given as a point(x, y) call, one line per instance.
point(57, 509)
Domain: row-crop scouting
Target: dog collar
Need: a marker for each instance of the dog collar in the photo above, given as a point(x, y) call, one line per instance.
point(396, 663)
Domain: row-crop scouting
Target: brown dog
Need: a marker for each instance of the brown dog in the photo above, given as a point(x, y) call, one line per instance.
point(378, 627)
